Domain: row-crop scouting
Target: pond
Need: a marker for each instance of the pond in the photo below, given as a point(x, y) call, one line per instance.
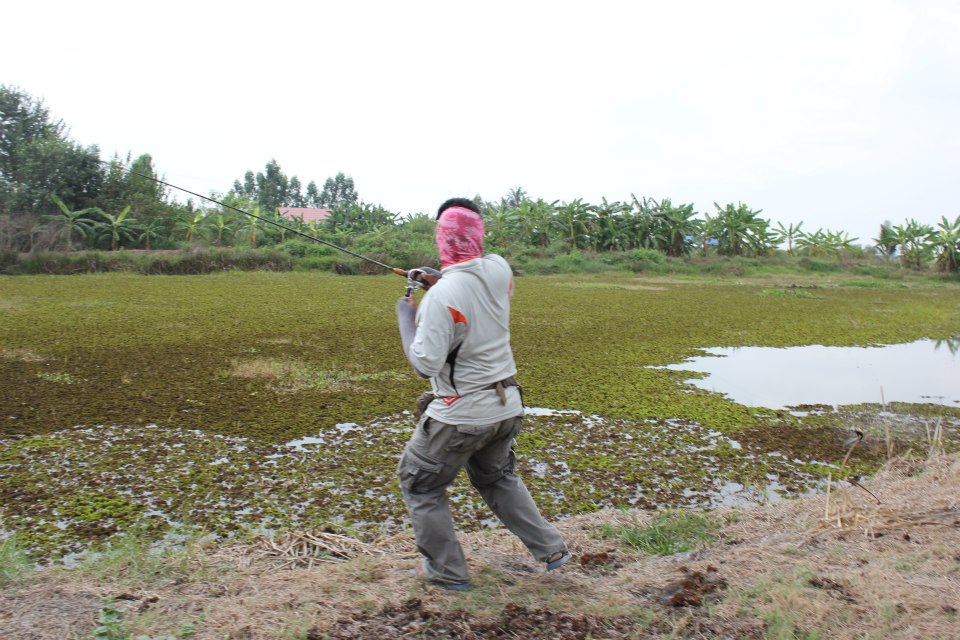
point(925, 371)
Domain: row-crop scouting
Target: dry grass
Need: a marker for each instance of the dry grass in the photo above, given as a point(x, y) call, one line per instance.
point(21, 355)
point(839, 566)
point(292, 376)
point(270, 368)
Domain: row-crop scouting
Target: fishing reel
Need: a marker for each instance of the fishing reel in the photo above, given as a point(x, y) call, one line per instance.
point(412, 285)
point(422, 278)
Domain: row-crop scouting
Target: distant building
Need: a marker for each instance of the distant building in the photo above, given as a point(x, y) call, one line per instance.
point(307, 214)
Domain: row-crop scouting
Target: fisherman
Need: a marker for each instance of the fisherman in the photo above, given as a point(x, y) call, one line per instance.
point(460, 339)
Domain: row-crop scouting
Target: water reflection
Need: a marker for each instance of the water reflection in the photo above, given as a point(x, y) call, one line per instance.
point(926, 371)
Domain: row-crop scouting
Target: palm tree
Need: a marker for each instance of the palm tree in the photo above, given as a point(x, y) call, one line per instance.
point(74, 222)
point(118, 227)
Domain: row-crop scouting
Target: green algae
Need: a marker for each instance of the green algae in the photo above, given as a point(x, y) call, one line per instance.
point(83, 461)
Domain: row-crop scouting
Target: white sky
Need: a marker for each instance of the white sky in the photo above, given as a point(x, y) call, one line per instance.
point(840, 114)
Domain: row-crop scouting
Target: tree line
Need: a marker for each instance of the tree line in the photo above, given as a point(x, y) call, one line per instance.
point(58, 195)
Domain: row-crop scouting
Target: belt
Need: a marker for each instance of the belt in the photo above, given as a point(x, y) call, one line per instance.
point(500, 386)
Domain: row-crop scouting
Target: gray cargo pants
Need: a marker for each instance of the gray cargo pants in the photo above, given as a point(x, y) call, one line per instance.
point(432, 459)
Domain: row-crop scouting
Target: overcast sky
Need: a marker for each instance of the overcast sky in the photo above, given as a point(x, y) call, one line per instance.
point(836, 113)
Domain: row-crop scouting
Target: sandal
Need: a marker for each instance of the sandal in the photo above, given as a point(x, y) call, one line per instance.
point(558, 559)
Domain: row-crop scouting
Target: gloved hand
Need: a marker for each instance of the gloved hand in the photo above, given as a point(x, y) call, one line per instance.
point(425, 276)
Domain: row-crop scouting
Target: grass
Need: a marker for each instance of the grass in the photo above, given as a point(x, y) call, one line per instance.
point(60, 377)
point(781, 579)
point(14, 561)
point(137, 558)
point(668, 533)
point(787, 293)
point(777, 598)
point(292, 376)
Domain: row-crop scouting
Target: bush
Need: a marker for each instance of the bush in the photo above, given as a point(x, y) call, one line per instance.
point(316, 263)
point(819, 266)
point(304, 249)
point(640, 260)
point(8, 261)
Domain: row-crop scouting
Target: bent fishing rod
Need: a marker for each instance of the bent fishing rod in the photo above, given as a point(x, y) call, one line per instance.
point(412, 282)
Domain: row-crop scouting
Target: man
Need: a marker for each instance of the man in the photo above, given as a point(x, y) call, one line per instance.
point(460, 339)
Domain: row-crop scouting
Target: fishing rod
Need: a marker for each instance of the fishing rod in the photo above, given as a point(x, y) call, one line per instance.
point(412, 282)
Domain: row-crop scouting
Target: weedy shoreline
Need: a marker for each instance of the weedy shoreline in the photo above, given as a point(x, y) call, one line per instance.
point(840, 566)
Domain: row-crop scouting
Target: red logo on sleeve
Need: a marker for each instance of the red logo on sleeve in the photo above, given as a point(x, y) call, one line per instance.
point(457, 316)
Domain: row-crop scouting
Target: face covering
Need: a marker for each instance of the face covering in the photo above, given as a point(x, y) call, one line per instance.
point(459, 236)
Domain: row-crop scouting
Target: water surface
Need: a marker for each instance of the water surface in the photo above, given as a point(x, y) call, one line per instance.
point(926, 371)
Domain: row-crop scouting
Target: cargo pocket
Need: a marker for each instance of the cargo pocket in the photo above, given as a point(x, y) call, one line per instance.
point(417, 472)
point(469, 438)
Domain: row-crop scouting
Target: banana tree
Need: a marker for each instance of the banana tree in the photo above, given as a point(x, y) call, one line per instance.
point(74, 222)
point(251, 226)
point(913, 239)
point(499, 222)
point(149, 232)
point(946, 243)
point(572, 220)
point(118, 227)
point(814, 244)
point(191, 226)
point(886, 242)
point(787, 234)
point(534, 221)
point(736, 229)
point(220, 226)
point(676, 228)
point(642, 227)
point(609, 230)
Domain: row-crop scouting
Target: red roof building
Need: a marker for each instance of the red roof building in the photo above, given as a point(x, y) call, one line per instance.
point(307, 214)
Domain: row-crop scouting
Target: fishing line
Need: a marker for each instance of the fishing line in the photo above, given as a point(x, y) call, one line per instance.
point(396, 270)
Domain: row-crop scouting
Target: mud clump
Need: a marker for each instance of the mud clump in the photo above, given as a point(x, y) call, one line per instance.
point(413, 619)
point(599, 561)
point(693, 588)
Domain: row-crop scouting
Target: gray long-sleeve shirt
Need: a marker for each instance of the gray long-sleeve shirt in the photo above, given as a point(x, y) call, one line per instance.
point(467, 310)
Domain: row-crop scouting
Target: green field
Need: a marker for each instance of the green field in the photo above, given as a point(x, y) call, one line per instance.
point(144, 402)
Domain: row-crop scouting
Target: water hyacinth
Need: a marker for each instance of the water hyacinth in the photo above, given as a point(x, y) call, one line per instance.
point(265, 400)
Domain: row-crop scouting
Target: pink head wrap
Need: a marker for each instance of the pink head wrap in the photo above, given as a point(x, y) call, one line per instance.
point(459, 236)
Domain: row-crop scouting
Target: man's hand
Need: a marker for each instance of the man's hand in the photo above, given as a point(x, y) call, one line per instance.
point(425, 276)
